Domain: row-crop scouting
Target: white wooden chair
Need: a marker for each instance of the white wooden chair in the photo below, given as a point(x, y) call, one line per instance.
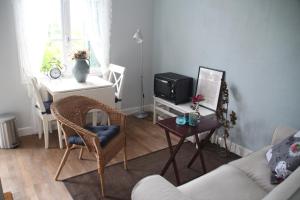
point(45, 115)
point(116, 75)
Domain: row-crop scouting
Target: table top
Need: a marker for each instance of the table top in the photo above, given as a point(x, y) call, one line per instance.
point(70, 84)
point(205, 124)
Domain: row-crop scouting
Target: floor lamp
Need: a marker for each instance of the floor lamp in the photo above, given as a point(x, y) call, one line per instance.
point(138, 38)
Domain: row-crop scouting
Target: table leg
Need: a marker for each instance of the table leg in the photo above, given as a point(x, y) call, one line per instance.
point(200, 153)
point(172, 157)
point(193, 159)
point(154, 112)
point(199, 150)
point(60, 136)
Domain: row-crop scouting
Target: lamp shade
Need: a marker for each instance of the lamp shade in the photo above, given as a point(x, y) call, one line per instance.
point(138, 37)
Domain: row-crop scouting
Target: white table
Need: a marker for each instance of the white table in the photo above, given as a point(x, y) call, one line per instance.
point(94, 87)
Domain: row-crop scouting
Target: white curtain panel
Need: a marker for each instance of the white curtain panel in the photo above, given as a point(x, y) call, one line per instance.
point(31, 25)
point(99, 26)
point(31, 20)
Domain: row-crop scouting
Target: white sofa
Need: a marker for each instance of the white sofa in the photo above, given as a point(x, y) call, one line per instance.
point(247, 178)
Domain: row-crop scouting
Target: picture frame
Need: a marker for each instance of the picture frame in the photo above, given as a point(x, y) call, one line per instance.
point(209, 85)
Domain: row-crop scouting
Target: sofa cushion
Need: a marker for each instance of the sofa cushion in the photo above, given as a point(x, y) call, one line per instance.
point(281, 133)
point(284, 157)
point(295, 195)
point(105, 134)
point(256, 167)
point(47, 105)
point(156, 187)
point(226, 182)
point(289, 189)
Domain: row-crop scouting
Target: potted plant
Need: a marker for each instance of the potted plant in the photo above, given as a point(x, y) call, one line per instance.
point(50, 59)
point(227, 120)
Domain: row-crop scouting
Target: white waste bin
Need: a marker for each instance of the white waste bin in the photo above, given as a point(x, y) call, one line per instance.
point(8, 132)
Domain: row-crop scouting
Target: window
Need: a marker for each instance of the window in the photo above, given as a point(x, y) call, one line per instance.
point(67, 34)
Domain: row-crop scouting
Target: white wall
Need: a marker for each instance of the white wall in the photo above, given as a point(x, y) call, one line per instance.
point(13, 94)
point(128, 15)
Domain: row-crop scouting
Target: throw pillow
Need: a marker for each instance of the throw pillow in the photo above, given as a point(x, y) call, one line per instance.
point(284, 158)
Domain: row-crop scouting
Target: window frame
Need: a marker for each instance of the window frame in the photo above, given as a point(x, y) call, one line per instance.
point(66, 39)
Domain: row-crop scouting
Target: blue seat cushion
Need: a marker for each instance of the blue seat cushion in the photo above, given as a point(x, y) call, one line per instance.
point(47, 105)
point(105, 134)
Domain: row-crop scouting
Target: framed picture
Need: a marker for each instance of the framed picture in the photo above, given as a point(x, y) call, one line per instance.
point(209, 85)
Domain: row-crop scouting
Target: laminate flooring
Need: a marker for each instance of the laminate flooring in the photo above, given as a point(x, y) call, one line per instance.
point(28, 171)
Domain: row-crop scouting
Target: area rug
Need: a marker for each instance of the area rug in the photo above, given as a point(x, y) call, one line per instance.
point(119, 182)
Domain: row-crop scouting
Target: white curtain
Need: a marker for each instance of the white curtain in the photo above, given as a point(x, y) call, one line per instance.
point(99, 31)
point(31, 25)
point(31, 20)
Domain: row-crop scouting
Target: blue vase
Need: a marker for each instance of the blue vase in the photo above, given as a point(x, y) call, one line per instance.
point(81, 70)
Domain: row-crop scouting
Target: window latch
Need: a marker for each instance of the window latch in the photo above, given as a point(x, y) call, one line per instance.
point(67, 38)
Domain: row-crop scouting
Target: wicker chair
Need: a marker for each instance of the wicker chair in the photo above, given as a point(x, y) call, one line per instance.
point(71, 116)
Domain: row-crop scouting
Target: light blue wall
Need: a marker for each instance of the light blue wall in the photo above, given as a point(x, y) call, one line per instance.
point(256, 42)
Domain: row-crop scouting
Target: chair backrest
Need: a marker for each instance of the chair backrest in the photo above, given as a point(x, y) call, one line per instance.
point(116, 75)
point(37, 95)
point(71, 114)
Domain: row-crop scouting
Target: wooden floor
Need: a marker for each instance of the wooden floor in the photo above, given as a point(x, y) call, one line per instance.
point(28, 171)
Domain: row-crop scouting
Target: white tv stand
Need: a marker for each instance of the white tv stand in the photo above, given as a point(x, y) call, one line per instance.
point(163, 108)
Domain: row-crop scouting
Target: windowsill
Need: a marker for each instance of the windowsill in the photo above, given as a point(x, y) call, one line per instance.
point(96, 72)
point(93, 72)
point(67, 73)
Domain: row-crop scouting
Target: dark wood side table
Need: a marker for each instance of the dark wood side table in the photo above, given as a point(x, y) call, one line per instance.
point(170, 126)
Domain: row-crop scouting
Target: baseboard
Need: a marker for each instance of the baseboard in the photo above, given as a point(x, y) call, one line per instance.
point(238, 149)
point(232, 147)
point(26, 131)
point(128, 111)
point(132, 110)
